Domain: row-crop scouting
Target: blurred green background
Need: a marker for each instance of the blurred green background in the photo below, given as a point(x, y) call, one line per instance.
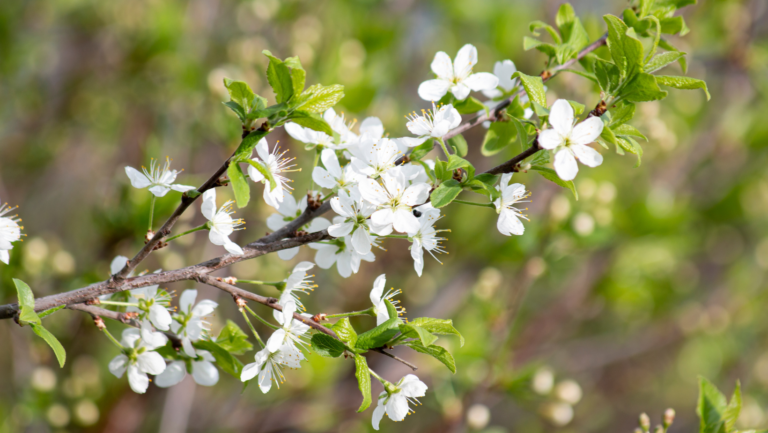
point(607, 307)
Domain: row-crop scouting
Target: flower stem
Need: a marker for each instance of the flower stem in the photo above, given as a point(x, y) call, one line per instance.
point(260, 319)
point(490, 205)
point(445, 149)
point(395, 236)
point(262, 283)
point(368, 312)
point(117, 343)
point(314, 164)
point(119, 304)
point(381, 379)
point(196, 229)
point(151, 211)
point(250, 325)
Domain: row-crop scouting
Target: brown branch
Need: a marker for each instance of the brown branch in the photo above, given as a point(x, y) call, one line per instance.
point(97, 312)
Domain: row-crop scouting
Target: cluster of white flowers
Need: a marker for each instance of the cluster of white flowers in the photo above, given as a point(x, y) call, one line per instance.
point(10, 231)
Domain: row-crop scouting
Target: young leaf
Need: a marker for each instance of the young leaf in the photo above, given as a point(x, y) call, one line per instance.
point(26, 303)
point(437, 326)
point(50, 311)
point(317, 98)
point(325, 345)
point(642, 88)
point(379, 335)
point(298, 74)
point(239, 184)
point(608, 76)
point(266, 173)
point(469, 106)
point(622, 114)
point(391, 310)
point(530, 43)
point(234, 106)
point(661, 60)
point(535, 25)
point(224, 359)
point(345, 331)
point(629, 130)
point(250, 141)
point(459, 144)
point(534, 87)
point(441, 172)
point(499, 136)
point(437, 352)
point(615, 41)
point(58, 349)
point(363, 381)
point(309, 120)
point(550, 175)
point(424, 336)
point(421, 150)
point(444, 194)
point(240, 93)
point(710, 408)
point(685, 83)
point(731, 413)
point(233, 339)
point(455, 161)
point(279, 77)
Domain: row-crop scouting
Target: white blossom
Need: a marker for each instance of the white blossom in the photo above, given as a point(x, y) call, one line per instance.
point(394, 402)
point(426, 238)
point(153, 305)
point(340, 252)
point(203, 371)
point(569, 142)
point(434, 123)
point(503, 71)
point(10, 232)
point(456, 77)
point(309, 136)
point(139, 359)
point(356, 222)
point(509, 216)
point(288, 210)
point(394, 200)
point(189, 323)
point(333, 176)
point(298, 282)
point(373, 158)
point(158, 180)
point(339, 125)
point(222, 224)
point(275, 164)
point(268, 366)
point(379, 299)
point(292, 332)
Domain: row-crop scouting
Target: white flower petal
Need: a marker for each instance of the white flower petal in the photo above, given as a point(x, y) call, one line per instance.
point(404, 221)
point(509, 224)
point(433, 90)
point(587, 155)
point(118, 365)
point(565, 165)
point(160, 317)
point(187, 299)
point(118, 263)
point(460, 91)
point(204, 308)
point(208, 207)
point(138, 380)
point(150, 362)
point(288, 254)
point(138, 179)
point(587, 131)
point(481, 81)
point(442, 66)
point(361, 241)
point(561, 117)
point(159, 190)
point(465, 60)
point(550, 139)
point(341, 230)
point(172, 375)
point(205, 373)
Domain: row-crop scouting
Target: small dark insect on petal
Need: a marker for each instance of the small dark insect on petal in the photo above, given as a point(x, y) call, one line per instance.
point(416, 213)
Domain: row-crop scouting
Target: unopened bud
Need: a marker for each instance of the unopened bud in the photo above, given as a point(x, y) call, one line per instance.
point(131, 315)
point(658, 429)
point(525, 167)
point(638, 430)
point(241, 303)
point(669, 417)
point(320, 317)
point(645, 421)
point(230, 280)
point(99, 322)
point(148, 237)
point(94, 301)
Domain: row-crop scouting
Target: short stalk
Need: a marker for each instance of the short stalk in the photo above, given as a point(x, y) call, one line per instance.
point(260, 319)
point(111, 338)
point(119, 304)
point(368, 312)
point(250, 325)
point(277, 284)
point(196, 229)
point(151, 211)
point(395, 236)
point(381, 379)
point(471, 203)
point(445, 149)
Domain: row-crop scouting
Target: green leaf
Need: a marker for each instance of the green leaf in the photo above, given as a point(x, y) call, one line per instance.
point(233, 339)
point(615, 41)
point(444, 194)
point(630, 145)
point(469, 106)
point(642, 88)
point(437, 352)
point(455, 161)
point(234, 106)
point(710, 408)
point(26, 303)
point(521, 130)
point(50, 311)
point(266, 173)
point(427, 169)
point(441, 172)
point(308, 120)
point(459, 144)
point(58, 349)
point(535, 25)
point(363, 376)
point(250, 141)
point(421, 150)
point(674, 25)
point(588, 75)
point(565, 15)
point(622, 114)
point(633, 51)
point(731, 413)
point(438, 326)
point(667, 46)
point(298, 74)
point(239, 184)
point(486, 181)
point(379, 335)
point(577, 107)
point(608, 135)
point(343, 328)
point(661, 60)
point(534, 87)
point(224, 359)
point(239, 93)
point(608, 76)
point(317, 98)
point(550, 175)
point(498, 136)
point(391, 310)
point(628, 130)
point(530, 43)
point(422, 334)
point(645, 7)
point(325, 345)
point(279, 77)
point(684, 83)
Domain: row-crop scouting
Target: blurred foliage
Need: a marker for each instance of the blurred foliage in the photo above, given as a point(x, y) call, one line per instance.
point(607, 307)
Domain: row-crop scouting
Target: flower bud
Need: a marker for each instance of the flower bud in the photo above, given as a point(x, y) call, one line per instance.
point(645, 421)
point(658, 429)
point(230, 280)
point(99, 322)
point(669, 417)
point(241, 303)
